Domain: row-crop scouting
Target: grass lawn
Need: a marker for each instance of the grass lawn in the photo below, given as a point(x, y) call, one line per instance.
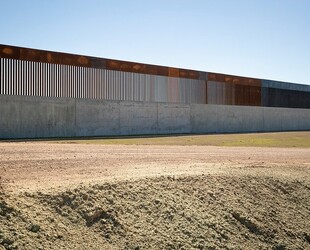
point(279, 139)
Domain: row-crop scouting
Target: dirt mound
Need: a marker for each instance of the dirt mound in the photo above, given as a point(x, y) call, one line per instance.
point(189, 212)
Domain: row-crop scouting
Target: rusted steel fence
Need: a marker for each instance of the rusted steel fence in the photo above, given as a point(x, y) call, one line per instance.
point(33, 72)
point(233, 90)
point(39, 73)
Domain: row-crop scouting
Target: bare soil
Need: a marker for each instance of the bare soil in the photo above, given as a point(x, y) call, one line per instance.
point(89, 196)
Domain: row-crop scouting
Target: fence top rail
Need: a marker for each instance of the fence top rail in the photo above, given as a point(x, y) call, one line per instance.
point(43, 56)
point(35, 55)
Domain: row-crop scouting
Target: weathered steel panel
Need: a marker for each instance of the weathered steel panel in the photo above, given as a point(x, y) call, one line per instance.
point(255, 96)
point(233, 90)
point(9, 52)
point(234, 79)
point(43, 56)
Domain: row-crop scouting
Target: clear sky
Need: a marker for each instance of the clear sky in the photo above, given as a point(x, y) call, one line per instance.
point(267, 39)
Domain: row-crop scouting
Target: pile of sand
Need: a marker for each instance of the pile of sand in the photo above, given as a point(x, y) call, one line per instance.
point(184, 212)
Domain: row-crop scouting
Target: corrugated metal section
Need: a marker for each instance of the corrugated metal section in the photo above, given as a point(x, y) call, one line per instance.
point(29, 78)
point(233, 90)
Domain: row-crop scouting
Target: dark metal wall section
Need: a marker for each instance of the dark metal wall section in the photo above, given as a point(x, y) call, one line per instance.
point(34, 72)
point(286, 98)
point(282, 94)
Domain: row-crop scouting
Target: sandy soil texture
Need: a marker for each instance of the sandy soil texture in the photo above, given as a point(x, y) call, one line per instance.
point(76, 196)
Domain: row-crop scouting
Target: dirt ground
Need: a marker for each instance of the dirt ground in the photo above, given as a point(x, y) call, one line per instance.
point(86, 196)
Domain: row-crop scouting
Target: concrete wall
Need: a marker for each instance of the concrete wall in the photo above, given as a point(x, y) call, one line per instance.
point(32, 117)
point(35, 117)
point(225, 119)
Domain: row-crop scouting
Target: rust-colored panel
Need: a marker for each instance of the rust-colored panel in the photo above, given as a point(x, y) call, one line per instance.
point(255, 93)
point(239, 94)
point(112, 65)
point(247, 95)
point(162, 71)
point(234, 79)
point(245, 91)
point(9, 52)
point(35, 55)
point(192, 74)
point(228, 93)
point(156, 70)
point(137, 67)
point(43, 56)
point(174, 72)
point(125, 66)
point(215, 77)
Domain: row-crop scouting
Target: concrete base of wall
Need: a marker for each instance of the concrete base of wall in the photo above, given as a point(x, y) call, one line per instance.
point(41, 117)
point(237, 119)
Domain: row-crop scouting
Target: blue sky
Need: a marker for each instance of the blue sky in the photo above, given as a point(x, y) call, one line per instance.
point(267, 39)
